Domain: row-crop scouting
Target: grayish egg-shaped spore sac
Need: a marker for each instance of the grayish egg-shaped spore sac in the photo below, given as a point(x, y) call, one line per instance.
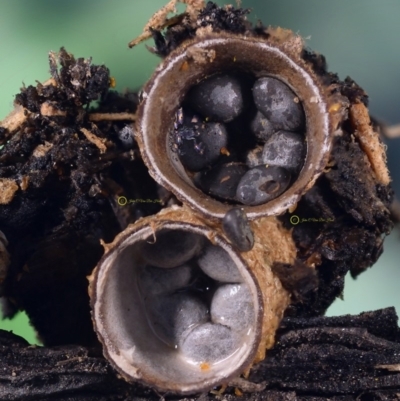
point(158, 280)
point(222, 180)
point(261, 127)
point(171, 248)
point(218, 98)
point(217, 264)
point(262, 184)
point(205, 148)
point(232, 307)
point(279, 104)
point(209, 343)
point(237, 228)
point(172, 315)
point(285, 149)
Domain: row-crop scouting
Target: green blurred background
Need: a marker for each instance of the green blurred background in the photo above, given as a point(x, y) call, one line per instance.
point(359, 38)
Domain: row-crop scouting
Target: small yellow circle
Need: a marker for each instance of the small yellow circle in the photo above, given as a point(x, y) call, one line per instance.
point(295, 219)
point(122, 201)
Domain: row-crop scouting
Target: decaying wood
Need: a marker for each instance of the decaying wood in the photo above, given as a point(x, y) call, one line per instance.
point(336, 358)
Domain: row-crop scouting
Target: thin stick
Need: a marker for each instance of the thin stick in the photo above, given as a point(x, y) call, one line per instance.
point(160, 21)
point(112, 117)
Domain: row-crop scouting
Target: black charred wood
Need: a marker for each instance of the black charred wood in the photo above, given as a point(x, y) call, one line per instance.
point(324, 358)
point(69, 194)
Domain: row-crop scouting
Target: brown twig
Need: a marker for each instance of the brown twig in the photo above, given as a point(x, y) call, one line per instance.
point(95, 117)
point(160, 21)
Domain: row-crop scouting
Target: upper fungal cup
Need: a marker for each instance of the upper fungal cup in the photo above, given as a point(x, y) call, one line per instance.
point(205, 124)
point(175, 310)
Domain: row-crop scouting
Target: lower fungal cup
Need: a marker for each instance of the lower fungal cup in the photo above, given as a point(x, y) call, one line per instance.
point(243, 113)
point(194, 322)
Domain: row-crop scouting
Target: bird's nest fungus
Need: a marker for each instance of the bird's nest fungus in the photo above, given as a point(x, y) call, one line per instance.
point(270, 161)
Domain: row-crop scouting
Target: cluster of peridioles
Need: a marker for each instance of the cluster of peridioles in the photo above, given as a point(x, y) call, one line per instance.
point(242, 137)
